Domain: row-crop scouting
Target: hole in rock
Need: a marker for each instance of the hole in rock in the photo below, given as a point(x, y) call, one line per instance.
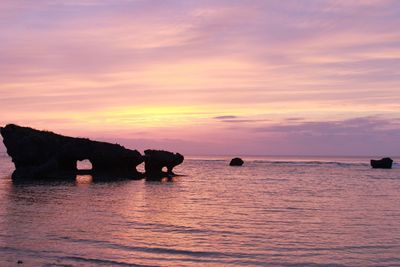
point(84, 164)
point(140, 168)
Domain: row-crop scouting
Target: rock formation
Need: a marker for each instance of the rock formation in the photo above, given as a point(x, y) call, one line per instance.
point(385, 163)
point(156, 160)
point(236, 162)
point(43, 154)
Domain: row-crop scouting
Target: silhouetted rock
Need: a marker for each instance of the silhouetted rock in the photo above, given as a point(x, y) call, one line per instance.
point(155, 160)
point(42, 154)
point(236, 162)
point(385, 163)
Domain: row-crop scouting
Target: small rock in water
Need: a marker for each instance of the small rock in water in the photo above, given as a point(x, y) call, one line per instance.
point(236, 162)
point(385, 163)
point(20, 262)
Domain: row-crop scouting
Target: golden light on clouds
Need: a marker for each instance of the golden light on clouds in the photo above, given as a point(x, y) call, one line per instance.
point(146, 116)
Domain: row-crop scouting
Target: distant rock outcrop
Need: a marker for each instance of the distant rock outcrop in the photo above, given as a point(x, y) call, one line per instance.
point(156, 160)
point(43, 154)
point(385, 163)
point(236, 162)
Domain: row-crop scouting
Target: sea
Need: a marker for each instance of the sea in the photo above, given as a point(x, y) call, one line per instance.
point(272, 211)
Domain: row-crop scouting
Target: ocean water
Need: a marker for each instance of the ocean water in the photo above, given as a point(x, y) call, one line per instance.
point(273, 211)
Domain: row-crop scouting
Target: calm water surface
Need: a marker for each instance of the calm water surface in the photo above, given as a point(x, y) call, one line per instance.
point(270, 212)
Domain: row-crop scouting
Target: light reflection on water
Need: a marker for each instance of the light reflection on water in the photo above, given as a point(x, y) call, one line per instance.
point(264, 213)
point(84, 179)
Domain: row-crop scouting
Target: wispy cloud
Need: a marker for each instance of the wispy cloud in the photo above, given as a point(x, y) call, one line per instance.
point(229, 117)
point(356, 126)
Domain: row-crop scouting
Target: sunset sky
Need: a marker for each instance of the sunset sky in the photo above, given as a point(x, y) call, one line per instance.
point(260, 77)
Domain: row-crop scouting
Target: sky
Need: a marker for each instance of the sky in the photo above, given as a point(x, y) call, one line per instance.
point(219, 77)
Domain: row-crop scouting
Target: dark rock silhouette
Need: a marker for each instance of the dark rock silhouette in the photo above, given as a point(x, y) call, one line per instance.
point(236, 162)
point(43, 154)
point(156, 160)
point(385, 163)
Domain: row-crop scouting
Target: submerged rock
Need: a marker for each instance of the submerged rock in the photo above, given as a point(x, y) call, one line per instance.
point(236, 162)
point(156, 160)
point(385, 163)
point(43, 154)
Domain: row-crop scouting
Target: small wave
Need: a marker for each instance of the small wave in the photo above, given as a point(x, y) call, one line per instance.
point(104, 262)
point(207, 160)
point(291, 162)
point(396, 165)
point(161, 250)
point(180, 228)
point(311, 163)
